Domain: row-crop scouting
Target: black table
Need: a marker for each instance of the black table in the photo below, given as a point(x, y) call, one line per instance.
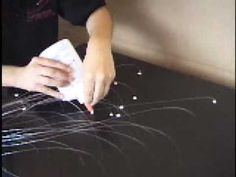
point(154, 123)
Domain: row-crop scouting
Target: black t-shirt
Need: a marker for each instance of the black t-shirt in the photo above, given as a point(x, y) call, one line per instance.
point(29, 26)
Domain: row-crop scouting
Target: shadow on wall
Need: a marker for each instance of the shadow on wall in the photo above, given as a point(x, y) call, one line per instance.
point(149, 27)
point(142, 23)
point(177, 36)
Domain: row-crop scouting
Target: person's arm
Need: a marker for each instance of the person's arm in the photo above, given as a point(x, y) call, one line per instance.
point(39, 75)
point(98, 63)
point(9, 74)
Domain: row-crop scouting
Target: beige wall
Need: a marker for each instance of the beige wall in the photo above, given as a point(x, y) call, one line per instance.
point(191, 36)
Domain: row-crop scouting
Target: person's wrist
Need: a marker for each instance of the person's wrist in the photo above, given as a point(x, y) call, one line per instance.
point(16, 80)
point(100, 43)
point(10, 75)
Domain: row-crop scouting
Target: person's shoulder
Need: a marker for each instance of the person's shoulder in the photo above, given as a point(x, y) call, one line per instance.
point(78, 11)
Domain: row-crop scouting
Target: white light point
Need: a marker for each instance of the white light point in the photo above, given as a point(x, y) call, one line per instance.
point(16, 94)
point(115, 83)
point(121, 107)
point(135, 97)
point(139, 73)
point(118, 115)
point(24, 108)
point(214, 101)
point(111, 114)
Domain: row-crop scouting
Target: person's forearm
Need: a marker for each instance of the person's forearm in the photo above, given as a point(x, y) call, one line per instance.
point(99, 26)
point(9, 74)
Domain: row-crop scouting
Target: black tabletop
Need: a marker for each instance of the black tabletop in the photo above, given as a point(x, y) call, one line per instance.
point(154, 123)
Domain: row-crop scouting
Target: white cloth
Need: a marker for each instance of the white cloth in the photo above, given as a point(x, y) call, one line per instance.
point(64, 52)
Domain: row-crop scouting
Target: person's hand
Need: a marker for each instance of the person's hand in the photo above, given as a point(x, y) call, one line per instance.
point(41, 74)
point(99, 71)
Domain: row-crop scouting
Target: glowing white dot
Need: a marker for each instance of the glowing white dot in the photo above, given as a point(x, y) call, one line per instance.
point(139, 73)
point(111, 114)
point(24, 108)
point(121, 107)
point(118, 115)
point(214, 101)
point(135, 97)
point(16, 94)
point(115, 83)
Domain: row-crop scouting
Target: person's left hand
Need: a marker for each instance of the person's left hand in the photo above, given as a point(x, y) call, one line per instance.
point(99, 70)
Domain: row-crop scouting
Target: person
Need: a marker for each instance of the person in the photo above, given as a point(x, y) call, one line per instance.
point(30, 26)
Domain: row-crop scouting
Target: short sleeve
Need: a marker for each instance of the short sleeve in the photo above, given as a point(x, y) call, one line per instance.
point(78, 11)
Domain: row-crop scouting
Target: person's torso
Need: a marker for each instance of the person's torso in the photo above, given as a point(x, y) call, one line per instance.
point(28, 27)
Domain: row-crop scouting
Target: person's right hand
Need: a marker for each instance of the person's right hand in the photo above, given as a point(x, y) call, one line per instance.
point(42, 73)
